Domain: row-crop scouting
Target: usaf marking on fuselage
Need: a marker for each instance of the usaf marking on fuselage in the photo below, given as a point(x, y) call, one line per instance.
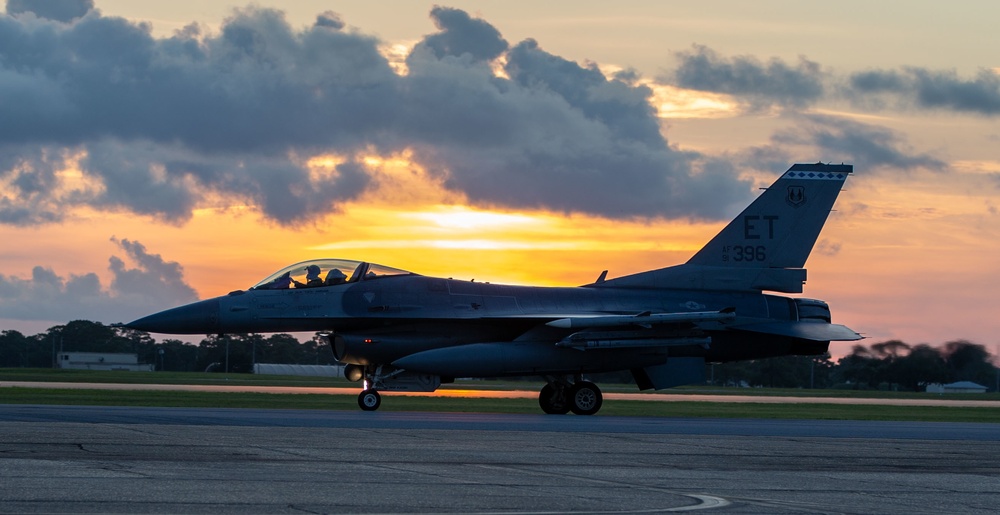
point(397, 330)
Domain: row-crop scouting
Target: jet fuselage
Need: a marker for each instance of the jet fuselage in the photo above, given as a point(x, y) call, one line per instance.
point(401, 331)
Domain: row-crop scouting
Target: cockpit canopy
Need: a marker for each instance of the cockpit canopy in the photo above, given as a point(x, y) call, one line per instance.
point(325, 272)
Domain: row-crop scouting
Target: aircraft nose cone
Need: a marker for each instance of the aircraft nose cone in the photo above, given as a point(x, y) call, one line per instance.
point(197, 318)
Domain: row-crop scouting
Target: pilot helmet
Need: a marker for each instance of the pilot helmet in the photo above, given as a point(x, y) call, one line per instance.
point(312, 272)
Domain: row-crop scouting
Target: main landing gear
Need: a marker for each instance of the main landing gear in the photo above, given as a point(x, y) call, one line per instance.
point(559, 397)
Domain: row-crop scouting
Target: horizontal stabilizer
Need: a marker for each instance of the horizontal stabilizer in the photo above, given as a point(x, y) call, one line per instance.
point(815, 331)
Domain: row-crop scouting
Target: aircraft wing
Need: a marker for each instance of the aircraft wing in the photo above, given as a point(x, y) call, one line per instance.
point(669, 329)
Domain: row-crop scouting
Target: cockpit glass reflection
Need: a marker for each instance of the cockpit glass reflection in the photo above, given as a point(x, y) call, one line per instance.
point(325, 272)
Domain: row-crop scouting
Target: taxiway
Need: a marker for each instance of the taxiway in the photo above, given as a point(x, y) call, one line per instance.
point(85, 459)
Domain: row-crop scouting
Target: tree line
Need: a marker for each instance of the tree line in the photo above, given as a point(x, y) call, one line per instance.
point(890, 365)
point(210, 354)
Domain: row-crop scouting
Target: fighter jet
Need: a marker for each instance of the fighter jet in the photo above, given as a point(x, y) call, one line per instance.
point(396, 330)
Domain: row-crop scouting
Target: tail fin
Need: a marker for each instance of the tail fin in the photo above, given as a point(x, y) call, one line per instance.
point(766, 246)
point(779, 229)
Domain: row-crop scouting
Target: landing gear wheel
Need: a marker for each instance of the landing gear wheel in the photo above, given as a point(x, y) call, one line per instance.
point(369, 400)
point(585, 398)
point(553, 400)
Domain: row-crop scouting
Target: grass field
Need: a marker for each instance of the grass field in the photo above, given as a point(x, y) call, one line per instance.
point(812, 409)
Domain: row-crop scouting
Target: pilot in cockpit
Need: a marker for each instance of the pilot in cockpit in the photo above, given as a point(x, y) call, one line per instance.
point(281, 283)
point(312, 278)
point(335, 276)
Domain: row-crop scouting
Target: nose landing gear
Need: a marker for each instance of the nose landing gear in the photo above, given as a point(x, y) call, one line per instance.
point(369, 400)
point(374, 378)
point(386, 377)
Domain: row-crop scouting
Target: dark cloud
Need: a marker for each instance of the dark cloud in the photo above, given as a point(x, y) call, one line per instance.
point(59, 10)
point(936, 89)
point(930, 89)
point(164, 123)
point(864, 145)
point(769, 158)
point(556, 135)
point(878, 81)
point(623, 108)
point(461, 34)
point(329, 19)
point(828, 248)
point(152, 274)
point(871, 149)
point(153, 284)
point(169, 181)
point(28, 184)
point(763, 84)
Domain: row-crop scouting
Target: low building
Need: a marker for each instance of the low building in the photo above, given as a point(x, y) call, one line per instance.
point(959, 387)
point(299, 370)
point(101, 361)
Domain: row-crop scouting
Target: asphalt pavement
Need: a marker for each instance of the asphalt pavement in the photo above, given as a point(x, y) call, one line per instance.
point(83, 459)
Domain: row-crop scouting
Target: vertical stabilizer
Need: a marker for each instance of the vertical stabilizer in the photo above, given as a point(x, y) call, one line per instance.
point(779, 229)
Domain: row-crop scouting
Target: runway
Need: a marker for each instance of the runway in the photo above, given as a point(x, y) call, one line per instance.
point(83, 459)
point(513, 394)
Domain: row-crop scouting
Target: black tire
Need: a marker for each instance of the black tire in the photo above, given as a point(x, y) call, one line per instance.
point(553, 400)
point(585, 398)
point(369, 400)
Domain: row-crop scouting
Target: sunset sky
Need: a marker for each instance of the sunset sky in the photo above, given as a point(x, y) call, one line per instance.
point(153, 153)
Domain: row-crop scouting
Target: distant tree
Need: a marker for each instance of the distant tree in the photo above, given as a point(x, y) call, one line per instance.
point(285, 349)
point(779, 372)
point(968, 361)
point(861, 368)
point(247, 349)
point(40, 352)
point(14, 349)
point(890, 350)
point(234, 350)
point(324, 354)
point(822, 368)
point(178, 356)
point(733, 373)
point(87, 336)
point(914, 367)
point(258, 347)
point(923, 365)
